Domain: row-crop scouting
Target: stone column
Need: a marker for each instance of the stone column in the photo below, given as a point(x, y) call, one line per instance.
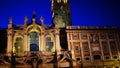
point(28, 42)
point(25, 42)
point(110, 52)
point(25, 34)
point(9, 41)
point(9, 36)
point(42, 41)
point(68, 39)
point(72, 49)
point(57, 41)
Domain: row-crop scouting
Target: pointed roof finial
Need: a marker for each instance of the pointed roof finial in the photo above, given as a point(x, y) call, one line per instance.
point(34, 14)
point(42, 19)
point(10, 23)
point(10, 20)
point(25, 19)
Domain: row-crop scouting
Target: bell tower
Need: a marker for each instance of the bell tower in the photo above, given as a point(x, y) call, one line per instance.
point(61, 12)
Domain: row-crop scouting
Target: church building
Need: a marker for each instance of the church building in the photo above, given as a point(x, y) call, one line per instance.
point(62, 45)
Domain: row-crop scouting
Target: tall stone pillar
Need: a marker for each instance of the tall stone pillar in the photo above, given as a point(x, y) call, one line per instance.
point(25, 42)
point(72, 51)
point(57, 41)
point(28, 42)
point(9, 36)
point(68, 39)
point(9, 41)
point(70, 46)
point(25, 46)
point(42, 41)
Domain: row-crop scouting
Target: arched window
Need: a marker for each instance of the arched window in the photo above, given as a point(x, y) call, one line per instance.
point(49, 44)
point(34, 41)
point(18, 45)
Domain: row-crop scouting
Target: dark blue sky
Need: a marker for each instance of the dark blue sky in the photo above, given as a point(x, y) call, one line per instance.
point(83, 12)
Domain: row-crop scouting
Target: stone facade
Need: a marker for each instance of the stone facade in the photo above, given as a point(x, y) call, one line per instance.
point(26, 35)
point(37, 45)
point(96, 47)
point(86, 46)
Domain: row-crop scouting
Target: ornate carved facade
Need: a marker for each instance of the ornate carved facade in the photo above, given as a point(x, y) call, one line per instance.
point(32, 37)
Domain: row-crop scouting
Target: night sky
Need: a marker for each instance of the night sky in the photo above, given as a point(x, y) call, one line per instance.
point(83, 12)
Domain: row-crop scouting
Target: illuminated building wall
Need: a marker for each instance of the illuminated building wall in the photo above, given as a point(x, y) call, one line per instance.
point(94, 46)
point(32, 37)
point(89, 46)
